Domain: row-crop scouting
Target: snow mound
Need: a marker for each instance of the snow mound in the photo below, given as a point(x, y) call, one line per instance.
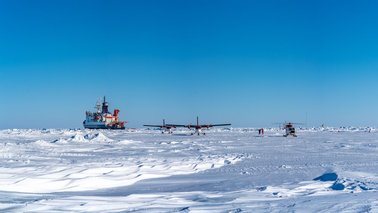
point(346, 184)
point(43, 143)
point(98, 137)
point(352, 185)
point(78, 138)
point(60, 141)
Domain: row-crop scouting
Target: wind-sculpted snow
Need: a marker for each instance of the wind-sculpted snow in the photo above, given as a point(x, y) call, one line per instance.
point(228, 170)
point(94, 161)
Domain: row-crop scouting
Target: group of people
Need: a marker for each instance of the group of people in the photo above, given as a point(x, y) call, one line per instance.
point(261, 131)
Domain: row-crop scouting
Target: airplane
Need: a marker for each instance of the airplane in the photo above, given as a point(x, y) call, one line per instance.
point(165, 127)
point(198, 128)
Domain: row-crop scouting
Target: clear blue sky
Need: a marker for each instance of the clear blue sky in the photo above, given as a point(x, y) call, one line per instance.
point(252, 63)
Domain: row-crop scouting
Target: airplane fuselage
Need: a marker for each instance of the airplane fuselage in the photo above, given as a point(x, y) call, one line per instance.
point(198, 130)
point(167, 129)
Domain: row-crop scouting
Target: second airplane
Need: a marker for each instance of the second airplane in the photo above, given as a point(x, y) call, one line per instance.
point(198, 128)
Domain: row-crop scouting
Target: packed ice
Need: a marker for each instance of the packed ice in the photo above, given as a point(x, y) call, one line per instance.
point(227, 170)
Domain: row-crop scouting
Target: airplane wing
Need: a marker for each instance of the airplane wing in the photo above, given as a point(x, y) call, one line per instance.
point(207, 126)
point(160, 126)
point(214, 125)
point(176, 125)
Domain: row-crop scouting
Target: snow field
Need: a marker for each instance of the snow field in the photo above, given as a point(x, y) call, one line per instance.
point(69, 164)
point(228, 170)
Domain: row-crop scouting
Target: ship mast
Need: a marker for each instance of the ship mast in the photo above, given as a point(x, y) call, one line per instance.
point(105, 106)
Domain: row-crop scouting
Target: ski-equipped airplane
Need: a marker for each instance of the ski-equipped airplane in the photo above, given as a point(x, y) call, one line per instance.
point(198, 128)
point(165, 127)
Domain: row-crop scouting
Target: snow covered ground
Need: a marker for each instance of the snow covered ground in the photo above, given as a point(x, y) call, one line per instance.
point(228, 170)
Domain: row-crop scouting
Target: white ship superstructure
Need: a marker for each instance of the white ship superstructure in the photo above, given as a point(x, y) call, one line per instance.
point(102, 118)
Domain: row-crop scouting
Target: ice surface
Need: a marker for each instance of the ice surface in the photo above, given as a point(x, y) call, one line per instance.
point(228, 170)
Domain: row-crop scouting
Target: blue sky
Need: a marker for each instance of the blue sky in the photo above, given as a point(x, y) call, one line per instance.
point(251, 63)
